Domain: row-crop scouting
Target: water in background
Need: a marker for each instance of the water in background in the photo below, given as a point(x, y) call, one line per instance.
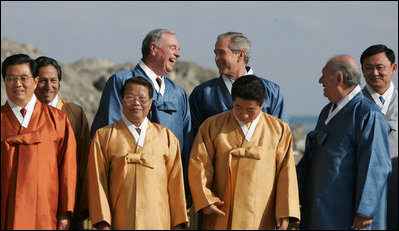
point(308, 121)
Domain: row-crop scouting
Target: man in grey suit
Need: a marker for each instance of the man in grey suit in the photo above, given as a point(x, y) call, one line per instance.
point(378, 66)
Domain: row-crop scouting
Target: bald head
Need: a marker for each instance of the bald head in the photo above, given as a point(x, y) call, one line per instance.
point(348, 67)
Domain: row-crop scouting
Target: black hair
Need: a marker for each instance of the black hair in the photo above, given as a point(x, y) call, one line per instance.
point(376, 49)
point(16, 60)
point(137, 80)
point(44, 61)
point(249, 87)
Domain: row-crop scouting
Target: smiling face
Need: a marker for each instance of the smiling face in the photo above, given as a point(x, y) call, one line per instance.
point(165, 56)
point(20, 92)
point(228, 62)
point(136, 103)
point(48, 86)
point(246, 110)
point(378, 72)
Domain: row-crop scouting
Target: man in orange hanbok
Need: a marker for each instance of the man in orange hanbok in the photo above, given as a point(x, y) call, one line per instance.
point(38, 154)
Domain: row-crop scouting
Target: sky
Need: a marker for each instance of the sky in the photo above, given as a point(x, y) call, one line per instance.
point(291, 41)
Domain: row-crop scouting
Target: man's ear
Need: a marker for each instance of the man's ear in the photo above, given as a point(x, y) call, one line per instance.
point(153, 48)
point(241, 56)
point(340, 78)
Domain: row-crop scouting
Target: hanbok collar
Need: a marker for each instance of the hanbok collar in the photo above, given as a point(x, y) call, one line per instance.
point(153, 78)
point(54, 102)
point(248, 132)
point(387, 97)
point(132, 128)
point(24, 121)
point(344, 101)
point(229, 82)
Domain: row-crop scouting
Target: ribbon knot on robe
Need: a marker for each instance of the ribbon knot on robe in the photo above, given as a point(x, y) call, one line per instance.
point(250, 152)
point(138, 158)
point(32, 137)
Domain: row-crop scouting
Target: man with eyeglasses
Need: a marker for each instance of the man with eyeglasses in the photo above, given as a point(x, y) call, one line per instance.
point(50, 75)
point(160, 51)
point(135, 174)
point(38, 154)
point(378, 66)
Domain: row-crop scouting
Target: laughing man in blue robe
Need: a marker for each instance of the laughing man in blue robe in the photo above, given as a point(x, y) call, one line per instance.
point(343, 175)
point(232, 53)
point(170, 107)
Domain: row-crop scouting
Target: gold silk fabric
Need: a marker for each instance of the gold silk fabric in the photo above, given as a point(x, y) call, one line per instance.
point(256, 180)
point(133, 187)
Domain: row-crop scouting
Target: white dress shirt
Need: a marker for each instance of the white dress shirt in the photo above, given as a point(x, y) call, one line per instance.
point(24, 121)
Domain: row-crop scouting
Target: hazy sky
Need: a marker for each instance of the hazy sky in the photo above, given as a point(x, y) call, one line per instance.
point(291, 41)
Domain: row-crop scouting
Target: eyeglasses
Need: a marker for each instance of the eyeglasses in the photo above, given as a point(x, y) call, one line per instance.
point(10, 78)
point(132, 99)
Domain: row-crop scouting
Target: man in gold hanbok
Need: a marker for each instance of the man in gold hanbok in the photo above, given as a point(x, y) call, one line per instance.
point(242, 171)
point(135, 175)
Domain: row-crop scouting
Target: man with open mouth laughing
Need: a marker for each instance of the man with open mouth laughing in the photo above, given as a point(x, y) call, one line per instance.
point(170, 106)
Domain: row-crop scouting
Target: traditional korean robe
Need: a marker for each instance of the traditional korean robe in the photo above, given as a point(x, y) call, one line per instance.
point(344, 170)
point(38, 168)
point(212, 97)
point(133, 187)
point(255, 179)
point(171, 110)
point(391, 116)
point(80, 127)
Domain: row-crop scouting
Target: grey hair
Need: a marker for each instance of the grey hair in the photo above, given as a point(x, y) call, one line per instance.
point(153, 36)
point(351, 74)
point(238, 42)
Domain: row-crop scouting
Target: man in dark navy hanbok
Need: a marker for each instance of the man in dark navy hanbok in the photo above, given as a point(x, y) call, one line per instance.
point(343, 175)
point(170, 106)
point(232, 53)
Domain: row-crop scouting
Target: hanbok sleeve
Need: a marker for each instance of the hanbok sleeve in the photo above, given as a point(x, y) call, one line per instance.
point(97, 179)
point(373, 163)
point(67, 169)
point(287, 199)
point(200, 170)
point(176, 184)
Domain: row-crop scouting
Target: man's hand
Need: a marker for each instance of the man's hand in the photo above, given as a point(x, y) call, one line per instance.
point(361, 222)
point(282, 223)
point(213, 208)
point(63, 221)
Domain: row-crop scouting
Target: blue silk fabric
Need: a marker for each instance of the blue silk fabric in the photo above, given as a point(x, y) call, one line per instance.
point(171, 110)
point(345, 167)
point(212, 97)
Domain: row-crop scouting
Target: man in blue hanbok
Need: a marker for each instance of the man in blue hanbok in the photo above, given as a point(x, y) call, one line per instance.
point(343, 175)
point(170, 106)
point(232, 53)
point(378, 66)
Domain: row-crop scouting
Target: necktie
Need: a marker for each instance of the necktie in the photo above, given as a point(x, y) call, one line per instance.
point(159, 81)
point(334, 106)
point(23, 112)
point(138, 130)
point(382, 99)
